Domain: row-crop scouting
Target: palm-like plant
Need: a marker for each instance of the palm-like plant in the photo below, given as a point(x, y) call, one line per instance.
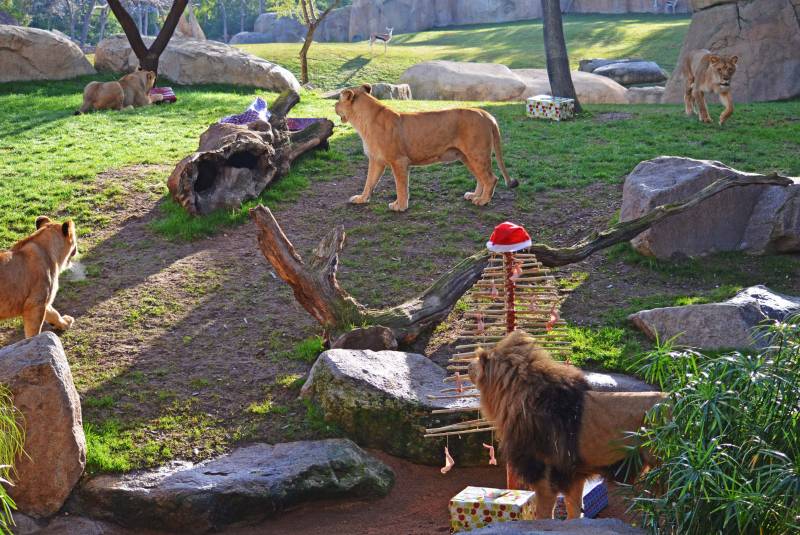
point(728, 442)
point(12, 438)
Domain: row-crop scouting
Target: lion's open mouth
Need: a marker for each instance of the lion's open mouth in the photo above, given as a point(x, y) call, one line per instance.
point(725, 83)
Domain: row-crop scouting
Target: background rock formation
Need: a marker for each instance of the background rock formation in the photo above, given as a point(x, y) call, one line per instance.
point(34, 54)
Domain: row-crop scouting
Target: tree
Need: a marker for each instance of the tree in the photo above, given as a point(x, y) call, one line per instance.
point(556, 51)
point(307, 13)
point(148, 57)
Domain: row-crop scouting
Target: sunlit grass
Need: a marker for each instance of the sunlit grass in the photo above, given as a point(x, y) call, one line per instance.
point(12, 438)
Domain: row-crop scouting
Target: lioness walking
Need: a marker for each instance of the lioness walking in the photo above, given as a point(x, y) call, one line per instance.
point(400, 140)
point(707, 72)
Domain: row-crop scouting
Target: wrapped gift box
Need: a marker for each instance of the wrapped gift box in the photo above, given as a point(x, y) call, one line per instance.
point(553, 108)
point(167, 94)
point(476, 507)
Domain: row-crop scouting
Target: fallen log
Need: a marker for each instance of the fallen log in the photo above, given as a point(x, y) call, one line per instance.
point(317, 290)
point(234, 163)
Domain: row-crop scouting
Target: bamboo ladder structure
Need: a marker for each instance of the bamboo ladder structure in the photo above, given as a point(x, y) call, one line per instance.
point(515, 292)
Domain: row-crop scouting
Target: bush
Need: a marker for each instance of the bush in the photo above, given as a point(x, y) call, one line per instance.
point(12, 438)
point(728, 442)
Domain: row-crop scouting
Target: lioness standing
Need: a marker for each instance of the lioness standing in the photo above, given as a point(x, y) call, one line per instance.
point(707, 72)
point(29, 275)
point(131, 90)
point(400, 140)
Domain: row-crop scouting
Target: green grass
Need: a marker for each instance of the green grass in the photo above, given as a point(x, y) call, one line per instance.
point(307, 350)
point(516, 44)
point(265, 407)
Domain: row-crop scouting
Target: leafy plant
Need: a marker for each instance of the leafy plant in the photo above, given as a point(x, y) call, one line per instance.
point(12, 438)
point(727, 441)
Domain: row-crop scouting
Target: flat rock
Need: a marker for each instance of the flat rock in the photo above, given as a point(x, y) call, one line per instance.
point(190, 61)
point(589, 65)
point(380, 90)
point(37, 373)
point(380, 399)
point(455, 80)
point(616, 382)
point(633, 72)
point(756, 219)
point(725, 325)
point(34, 54)
point(646, 95)
point(246, 486)
point(579, 526)
point(376, 338)
point(590, 88)
point(764, 34)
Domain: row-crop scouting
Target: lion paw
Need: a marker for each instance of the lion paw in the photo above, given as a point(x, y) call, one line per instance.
point(66, 322)
point(705, 119)
point(480, 201)
point(397, 207)
point(358, 199)
point(469, 195)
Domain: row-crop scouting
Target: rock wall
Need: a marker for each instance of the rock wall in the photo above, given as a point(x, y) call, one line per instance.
point(765, 34)
point(621, 6)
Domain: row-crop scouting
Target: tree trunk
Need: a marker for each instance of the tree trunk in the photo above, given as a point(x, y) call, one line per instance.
point(148, 57)
point(87, 19)
point(235, 163)
point(146, 24)
point(224, 15)
point(260, 7)
point(317, 290)
point(103, 20)
point(555, 48)
point(304, 53)
point(242, 13)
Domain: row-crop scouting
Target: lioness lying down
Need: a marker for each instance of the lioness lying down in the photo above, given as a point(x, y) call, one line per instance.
point(29, 275)
point(131, 90)
point(707, 72)
point(400, 140)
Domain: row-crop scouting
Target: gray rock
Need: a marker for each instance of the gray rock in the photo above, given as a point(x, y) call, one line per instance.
point(189, 61)
point(731, 324)
point(633, 72)
point(616, 382)
point(580, 526)
point(764, 34)
point(246, 486)
point(248, 38)
point(279, 29)
point(589, 65)
point(756, 219)
point(590, 88)
point(380, 90)
point(34, 54)
point(645, 95)
point(454, 80)
point(380, 399)
point(335, 27)
point(376, 338)
point(37, 373)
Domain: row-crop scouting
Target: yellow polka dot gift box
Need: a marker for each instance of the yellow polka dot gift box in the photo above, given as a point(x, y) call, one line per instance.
point(476, 507)
point(553, 108)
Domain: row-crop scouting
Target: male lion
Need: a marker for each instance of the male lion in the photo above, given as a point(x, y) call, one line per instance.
point(554, 431)
point(131, 90)
point(707, 72)
point(422, 138)
point(29, 275)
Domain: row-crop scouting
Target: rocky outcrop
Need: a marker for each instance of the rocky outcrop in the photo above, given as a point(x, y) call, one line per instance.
point(277, 29)
point(246, 486)
point(38, 375)
point(627, 71)
point(188, 62)
point(380, 399)
point(579, 526)
point(645, 95)
point(764, 34)
point(453, 80)
point(335, 27)
point(188, 26)
point(756, 219)
point(731, 324)
point(34, 54)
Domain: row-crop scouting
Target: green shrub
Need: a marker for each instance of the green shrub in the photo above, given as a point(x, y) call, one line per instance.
point(728, 441)
point(12, 438)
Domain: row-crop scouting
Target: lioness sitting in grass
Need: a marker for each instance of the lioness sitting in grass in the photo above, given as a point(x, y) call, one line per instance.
point(131, 90)
point(400, 140)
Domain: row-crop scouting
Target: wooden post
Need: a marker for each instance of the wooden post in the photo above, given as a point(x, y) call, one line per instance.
point(511, 325)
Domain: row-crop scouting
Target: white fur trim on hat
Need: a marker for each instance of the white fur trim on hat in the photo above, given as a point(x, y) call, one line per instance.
point(495, 248)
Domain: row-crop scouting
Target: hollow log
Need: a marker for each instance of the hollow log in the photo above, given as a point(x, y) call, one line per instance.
point(317, 290)
point(234, 163)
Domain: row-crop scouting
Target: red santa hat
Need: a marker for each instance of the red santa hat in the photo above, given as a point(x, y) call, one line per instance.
point(507, 238)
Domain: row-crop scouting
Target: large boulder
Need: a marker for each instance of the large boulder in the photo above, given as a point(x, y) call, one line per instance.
point(335, 27)
point(454, 80)
point(633, 72)
point(756, 219)
point(189, 61)
point(38, 375)
point(578, 526)
point(246, 486)
point(34, 54)
point(380, 90)
point(381, 400)
point(764, 34)
point(731, 324)
point(653, 94)
point(590, 88)
point(277, 29)
point(188, 26)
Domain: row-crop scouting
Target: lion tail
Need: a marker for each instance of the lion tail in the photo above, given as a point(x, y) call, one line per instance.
point(498, 154)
